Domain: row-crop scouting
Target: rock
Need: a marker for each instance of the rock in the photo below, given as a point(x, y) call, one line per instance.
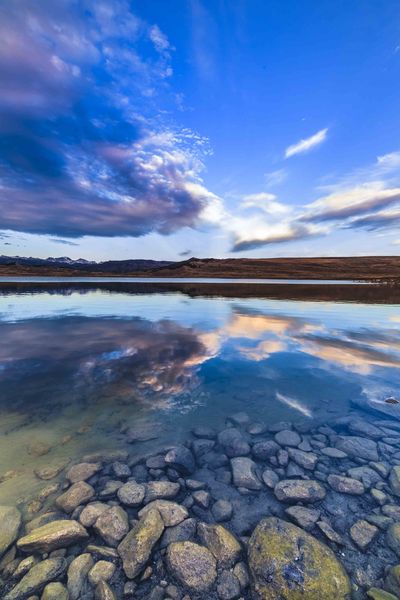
point(101, 571)
point(202, 498)
point(131, 493)
point(160, 490)
point(92, 512)
point(203, 431)
point(241, 573)
point(184, 532)
point(286, 437)
point(10, 522)
point(270, 478)
point(286, 562)
point(330, 533)
point(222, 510)
point(78, 493)
point(302, 516)
point(361, 427)
point(112, 525)
point(233, 442)
point(228, 586)
point(346, 485)
point(283, 458)
point(240, 418)
point(49, 472)
point(378, 594)
point(181, 459)
point(110, 489)
point(366, 475)
point(393, 538)
point(244, 472)
point(333, 452)
point(307, 460)
point(77, 575)
point(392, 511)
point(193, 484)
point(35, 580)
point(55, 591)
point(299, 490)
point(264, 450)
point(379, 496)
point(104, 592)
point(121, 469)
point(394, 480)
point(43, 520)
point(257, 428)
point(221, 543)
point(358, 447)
point(136, 547)
point(103, 552)
point(201, 447)
point(171, 513)
point(24, 566)
point(82, 471)
point(280, 426)
point(363, 533)
point(392, 580)
point(192, 565)
point(54, 535)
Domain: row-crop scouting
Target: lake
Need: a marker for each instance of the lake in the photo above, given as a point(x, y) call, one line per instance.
point(137, 366)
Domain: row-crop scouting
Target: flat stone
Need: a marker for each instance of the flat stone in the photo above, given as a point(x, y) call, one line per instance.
point(330, 533)
point(221, 543)
point(240, 418)
point(55, 591)
point(346, 485)
point(35, 580)
point(101, 571)
point(131, 493)
point(77, 575)
point(378, 594)
point(43, 520)
point(286, 562)
point(363, 533)
point(192, 565)
point(303, 517)
point(102, 552)
point(306, 460)
point(92, 512)
point(366, 475)
point(270, 478)
point(181, 459)
point(394, 480)
point(171, 513)
point(50, 471)
point(112, 525)
point(333, 452)
point(161, 490)
point(244, 473)
point(358, 447)
point(222, 510)
point(233, 442)
point(78, 493)
point(135, 549)
point(299, 490)
point(361, 427)
point(10, 522)
point(54, 535)
point(82, 471)
point(286, 437)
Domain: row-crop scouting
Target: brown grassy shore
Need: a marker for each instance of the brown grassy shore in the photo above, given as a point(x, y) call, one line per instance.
point(363, 268)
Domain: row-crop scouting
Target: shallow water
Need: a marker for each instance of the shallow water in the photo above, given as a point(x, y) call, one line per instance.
point(79, 364)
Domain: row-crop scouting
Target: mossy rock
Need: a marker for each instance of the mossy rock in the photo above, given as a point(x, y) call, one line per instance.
point(378, 594)
point(286, 563)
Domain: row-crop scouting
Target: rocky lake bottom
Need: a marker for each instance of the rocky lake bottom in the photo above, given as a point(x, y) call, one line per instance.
point(251, 510)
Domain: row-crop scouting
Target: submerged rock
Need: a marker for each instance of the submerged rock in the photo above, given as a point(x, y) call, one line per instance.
point(244, 472)
point(299, 490)
point(285, 562)
point(363, 533)
point(192, 565)
point(303, 517)
point(10, 522)
point(346, 485)
point(54, 535)
point(221, 543)
point(136, 547)
point(35, 580)
point(78, 493)
point(82, 471)
point(104, 592)
point(55, 591)
point(77, 575)
point(181, 459)
point(171, 513)
point(233, 442)
point(112, 525)
point(286, 437)
point(358, 447)
point(156, 490)
point(394, 480)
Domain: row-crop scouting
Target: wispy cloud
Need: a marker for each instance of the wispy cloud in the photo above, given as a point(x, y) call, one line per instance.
point(307, 143)
point(265, 202)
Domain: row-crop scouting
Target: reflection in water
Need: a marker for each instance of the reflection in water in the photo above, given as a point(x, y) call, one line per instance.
point(75, 369)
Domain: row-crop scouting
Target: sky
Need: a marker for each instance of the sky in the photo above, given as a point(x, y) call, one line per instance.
point(209, 128)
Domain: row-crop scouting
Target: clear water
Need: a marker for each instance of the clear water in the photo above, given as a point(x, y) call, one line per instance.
point(77, 364)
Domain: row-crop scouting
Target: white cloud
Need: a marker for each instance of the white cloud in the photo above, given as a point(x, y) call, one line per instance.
point(265, 202)
point(273, 178)
point(307, 144)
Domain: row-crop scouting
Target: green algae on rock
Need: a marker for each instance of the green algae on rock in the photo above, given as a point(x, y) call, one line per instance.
point(287, 563)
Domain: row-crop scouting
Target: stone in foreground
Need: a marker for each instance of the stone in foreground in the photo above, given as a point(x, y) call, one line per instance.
point(299, 490)
point(363, 533)
point(10, 521)
point(221, 543)
point(55, 535)
point(285, 562)
point(244, 472)
point(135, 549)
point(37, 577)
point(192, 565)
point(55, 591)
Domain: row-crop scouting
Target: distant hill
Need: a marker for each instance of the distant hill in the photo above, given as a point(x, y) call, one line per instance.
point(351, 267)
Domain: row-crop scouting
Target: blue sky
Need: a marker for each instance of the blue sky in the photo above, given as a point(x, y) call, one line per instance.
point(199, 127)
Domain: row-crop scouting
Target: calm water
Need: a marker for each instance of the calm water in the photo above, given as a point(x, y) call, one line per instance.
point(78, 364)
